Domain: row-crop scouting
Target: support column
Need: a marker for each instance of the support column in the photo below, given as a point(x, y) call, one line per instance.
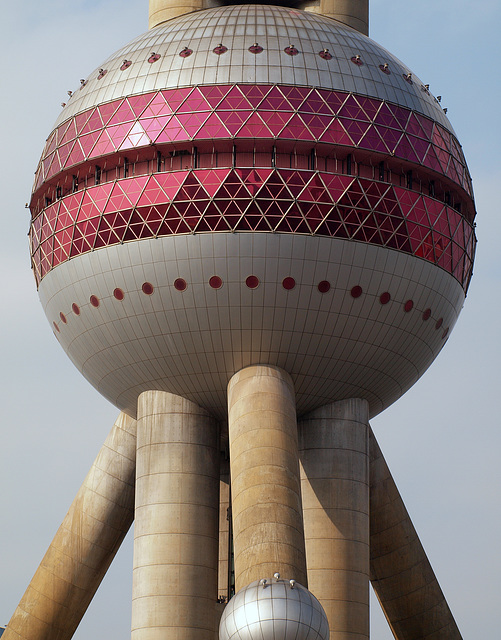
point(354, 13)
point(174, 584)
point(334, 456)
point(84, 545)
point(265, 487)
point(162, 10)
point(401, 573)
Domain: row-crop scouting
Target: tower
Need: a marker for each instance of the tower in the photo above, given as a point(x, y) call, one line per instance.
point(324, 232)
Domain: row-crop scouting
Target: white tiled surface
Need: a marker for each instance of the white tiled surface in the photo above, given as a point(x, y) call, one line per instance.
point(192, 342)
point(238, 27)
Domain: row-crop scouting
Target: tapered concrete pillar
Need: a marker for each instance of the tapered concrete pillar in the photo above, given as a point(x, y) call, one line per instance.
point(354, 13)
point(265, 486)
point(224, 531)
point(401, 574)
point(84, 545)
point(334, 455)
point(174, 588)
point(162, 10)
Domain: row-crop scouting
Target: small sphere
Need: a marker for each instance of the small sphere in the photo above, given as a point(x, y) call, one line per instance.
point(271, 609)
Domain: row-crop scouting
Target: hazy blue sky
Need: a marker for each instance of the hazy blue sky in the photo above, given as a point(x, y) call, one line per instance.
point(442, 440)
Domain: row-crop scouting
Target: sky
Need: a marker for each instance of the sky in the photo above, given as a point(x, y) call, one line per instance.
point(441, 440)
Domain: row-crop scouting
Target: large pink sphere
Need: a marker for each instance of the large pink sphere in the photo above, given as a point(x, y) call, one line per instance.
point(252, 184)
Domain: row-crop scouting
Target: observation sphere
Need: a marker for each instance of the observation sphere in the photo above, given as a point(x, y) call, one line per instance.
point(273, 611)
point(252, 185)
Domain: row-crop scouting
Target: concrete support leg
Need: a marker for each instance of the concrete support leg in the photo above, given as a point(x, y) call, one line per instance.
point(265, 487)
point(334, 455)
point(174, 588)
point(401, 574)
point(84, 545)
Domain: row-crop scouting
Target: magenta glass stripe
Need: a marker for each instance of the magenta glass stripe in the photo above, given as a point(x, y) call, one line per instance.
point(280, 200)
point(206, 113)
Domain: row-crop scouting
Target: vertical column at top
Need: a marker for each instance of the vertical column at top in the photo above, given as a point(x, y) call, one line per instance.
point(174, 584)
point(334, 455)
point(354, 13)
point(266, 495)
point(162, 10)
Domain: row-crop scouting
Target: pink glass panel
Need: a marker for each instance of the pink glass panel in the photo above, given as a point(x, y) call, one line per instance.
point(390, 137)
point(80, 121)
point(254, 92)
point(214, 94)
point(372, 140)
point(136, 138)
point(316, 123)
point(107, 110)
point(76, 155)
point(233, 120)
point(172, 131)
point(276, 120)
point(88, 141)
point(104, 145)
point(275, 101)
point(213, 128)
point(254, 128)
point(351, 109)
point(94, 123)
point(315, 103)
point(123, 114)
point(336, 134)
point(196, 103)
point(119, 132)
point(295, 95)
point(139, 103)
point(175, 97)
point(296, 129)
point(157, 107)
point(234, 100)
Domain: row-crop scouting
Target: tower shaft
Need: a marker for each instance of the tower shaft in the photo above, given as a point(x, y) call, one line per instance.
point(354, 13)
point(334, 454)
point(266, 494)
point(174, 587)
point(84, 545)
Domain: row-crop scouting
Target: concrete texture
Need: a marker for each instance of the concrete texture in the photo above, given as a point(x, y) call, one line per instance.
point(354, 13)
point(224, 528)
point(174, 590)
point(401, 574)
point(162, 10)
point(84, 545)
point(334, 457)
point(265, 487)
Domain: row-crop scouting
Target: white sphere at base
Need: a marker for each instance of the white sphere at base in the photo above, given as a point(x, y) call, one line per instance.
point(274, 610)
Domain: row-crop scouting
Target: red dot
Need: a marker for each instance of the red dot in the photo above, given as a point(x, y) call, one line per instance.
point(252, 282)
point(384, 298)
point(324, 286)
point(426, 314)
point(215, 282)
point(56, 327)
point(63, 317)
point(118, 294)
point(288, 283)
point(439, 323)
point(147, 288)
point(94, 300)
point(76, 309)
point(180, 284)
point(444, 334)
point(408, 306)
point(356, 292)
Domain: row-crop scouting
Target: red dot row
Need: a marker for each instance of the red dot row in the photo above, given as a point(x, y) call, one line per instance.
point(252, 282)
